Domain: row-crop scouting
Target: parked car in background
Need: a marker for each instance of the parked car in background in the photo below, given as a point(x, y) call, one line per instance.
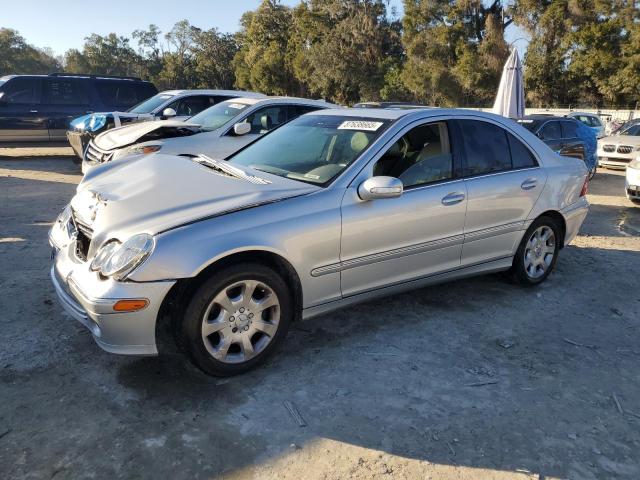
point(632, 181)
point(335, 207)
point(217, 132)
point(591, 120)
point(617, 151)
point(174, 104)
point(38, 108)
point(561, 134)
point(389, 105)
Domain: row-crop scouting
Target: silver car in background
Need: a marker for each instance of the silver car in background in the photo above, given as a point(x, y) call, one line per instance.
point(217, 131)
point(335, 207)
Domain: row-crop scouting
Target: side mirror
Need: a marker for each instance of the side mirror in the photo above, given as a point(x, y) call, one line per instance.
point(242, 128)
point(380, 187)
point(169, 112)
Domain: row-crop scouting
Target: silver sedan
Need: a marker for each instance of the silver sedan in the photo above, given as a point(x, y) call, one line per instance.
point(332, 208)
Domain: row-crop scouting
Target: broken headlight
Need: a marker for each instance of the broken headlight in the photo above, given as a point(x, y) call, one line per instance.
point(118, 260)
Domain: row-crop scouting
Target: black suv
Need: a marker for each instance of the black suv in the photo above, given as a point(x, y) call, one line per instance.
point(38, 108)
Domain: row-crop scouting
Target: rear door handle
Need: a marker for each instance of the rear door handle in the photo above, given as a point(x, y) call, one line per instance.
point(529, 183)
point(453, 198)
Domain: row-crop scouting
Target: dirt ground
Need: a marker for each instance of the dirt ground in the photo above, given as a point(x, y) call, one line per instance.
point(477, 379)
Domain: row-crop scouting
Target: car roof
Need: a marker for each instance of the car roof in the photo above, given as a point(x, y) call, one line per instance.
point(202, 91)
point(571, 114)
point(77, 75)
point(394, 114)
point(276, 100)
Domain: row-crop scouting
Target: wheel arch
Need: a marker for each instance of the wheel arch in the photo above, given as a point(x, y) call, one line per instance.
point(560, 221)
point(176, 300)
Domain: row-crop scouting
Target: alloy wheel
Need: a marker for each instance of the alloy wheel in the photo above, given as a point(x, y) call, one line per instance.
point(539, 251)
point(240, 321)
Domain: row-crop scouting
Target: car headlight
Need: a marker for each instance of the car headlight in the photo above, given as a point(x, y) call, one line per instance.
point(89, 123)
point(136, 150)
point(635, 164)
point(118, 260)
point(64, 216)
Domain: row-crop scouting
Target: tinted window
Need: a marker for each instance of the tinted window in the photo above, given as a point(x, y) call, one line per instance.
point(521, 156)
point(20, 90)
point(633, 130)
point(297, 110)
point(569, 129)
point(551, 131)
point(123, 94)
point(595, 122)
point(64, 92)
point(419, 157)
point(193, 105)
point(485, 146)
point(531, 125)
point(151, 104)
point(267, 118)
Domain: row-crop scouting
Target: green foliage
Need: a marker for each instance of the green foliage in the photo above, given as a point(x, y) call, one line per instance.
point(17, 56)
point(442, 52)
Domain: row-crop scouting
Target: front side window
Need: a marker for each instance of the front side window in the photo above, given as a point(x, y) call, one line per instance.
point(151, 104)
point(313, 148)
point(633, 130)
point(570, 129)
point(215, 117)
point(193, 105)
point(266, 119)
point(486, 147)
point(20, 90)
point(551, 131)
point(64, 92)
point(419, 157)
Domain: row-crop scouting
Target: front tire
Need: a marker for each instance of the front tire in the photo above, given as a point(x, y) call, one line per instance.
point(236, 319)
point(537, 254)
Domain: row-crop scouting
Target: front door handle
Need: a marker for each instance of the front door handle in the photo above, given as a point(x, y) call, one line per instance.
point(529, 183)
point(453, 198)
point(33, 111)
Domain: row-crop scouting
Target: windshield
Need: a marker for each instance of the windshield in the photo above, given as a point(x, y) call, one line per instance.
point(150, 104)
point(218, 115)
point(632, 130)
point(312, 148)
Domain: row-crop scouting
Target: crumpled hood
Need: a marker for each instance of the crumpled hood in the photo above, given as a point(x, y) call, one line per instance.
point(159, 192)
point(128, 134)
point(619, 140)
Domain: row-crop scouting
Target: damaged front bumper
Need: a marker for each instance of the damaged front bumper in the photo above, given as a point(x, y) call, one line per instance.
point(90, 299)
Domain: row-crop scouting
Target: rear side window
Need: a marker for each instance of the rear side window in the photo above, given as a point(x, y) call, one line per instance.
point(551, 131)
point(486, 147)
point(521, 156)
point(297, 110)
point(20, 90)
point(569, 129)
point(123, 95)
point(64, 92)
point(595, 122)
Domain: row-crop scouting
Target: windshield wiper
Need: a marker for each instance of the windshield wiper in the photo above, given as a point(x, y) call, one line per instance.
point(229, 170)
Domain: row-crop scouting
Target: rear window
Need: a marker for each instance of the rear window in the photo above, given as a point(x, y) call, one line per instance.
point(123, 95)
point(531, 125)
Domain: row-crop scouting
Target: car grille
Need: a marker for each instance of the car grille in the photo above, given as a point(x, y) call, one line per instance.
point(94, 154)
point(609, 148)
point(84, 233)
point(625, 149)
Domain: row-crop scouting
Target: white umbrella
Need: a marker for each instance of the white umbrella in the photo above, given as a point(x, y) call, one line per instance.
point(510, 99)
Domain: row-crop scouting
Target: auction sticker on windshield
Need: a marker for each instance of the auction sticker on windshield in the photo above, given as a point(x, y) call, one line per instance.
point(360, 125)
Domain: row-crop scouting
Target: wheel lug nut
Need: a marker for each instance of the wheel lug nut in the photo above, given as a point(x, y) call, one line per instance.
point(241, 310)
point(251, 315)
point(232, 318)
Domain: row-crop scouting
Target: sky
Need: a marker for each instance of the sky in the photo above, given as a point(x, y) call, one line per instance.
point(64, 25)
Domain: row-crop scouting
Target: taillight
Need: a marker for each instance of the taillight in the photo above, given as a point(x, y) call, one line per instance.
point(585, 187)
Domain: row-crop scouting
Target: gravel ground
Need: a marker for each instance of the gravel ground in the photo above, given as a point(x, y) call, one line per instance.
point(477, 379)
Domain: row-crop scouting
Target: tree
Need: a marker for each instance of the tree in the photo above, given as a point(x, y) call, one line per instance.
point(262, 62)
point(455, 50)
point(213, 55)
point(178, 69)
point(18, 57)
point(149, 51)
point(103, 55)
point(344, 48)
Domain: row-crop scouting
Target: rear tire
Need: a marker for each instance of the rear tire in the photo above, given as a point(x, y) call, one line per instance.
point(236, 319)
point(537, 253)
